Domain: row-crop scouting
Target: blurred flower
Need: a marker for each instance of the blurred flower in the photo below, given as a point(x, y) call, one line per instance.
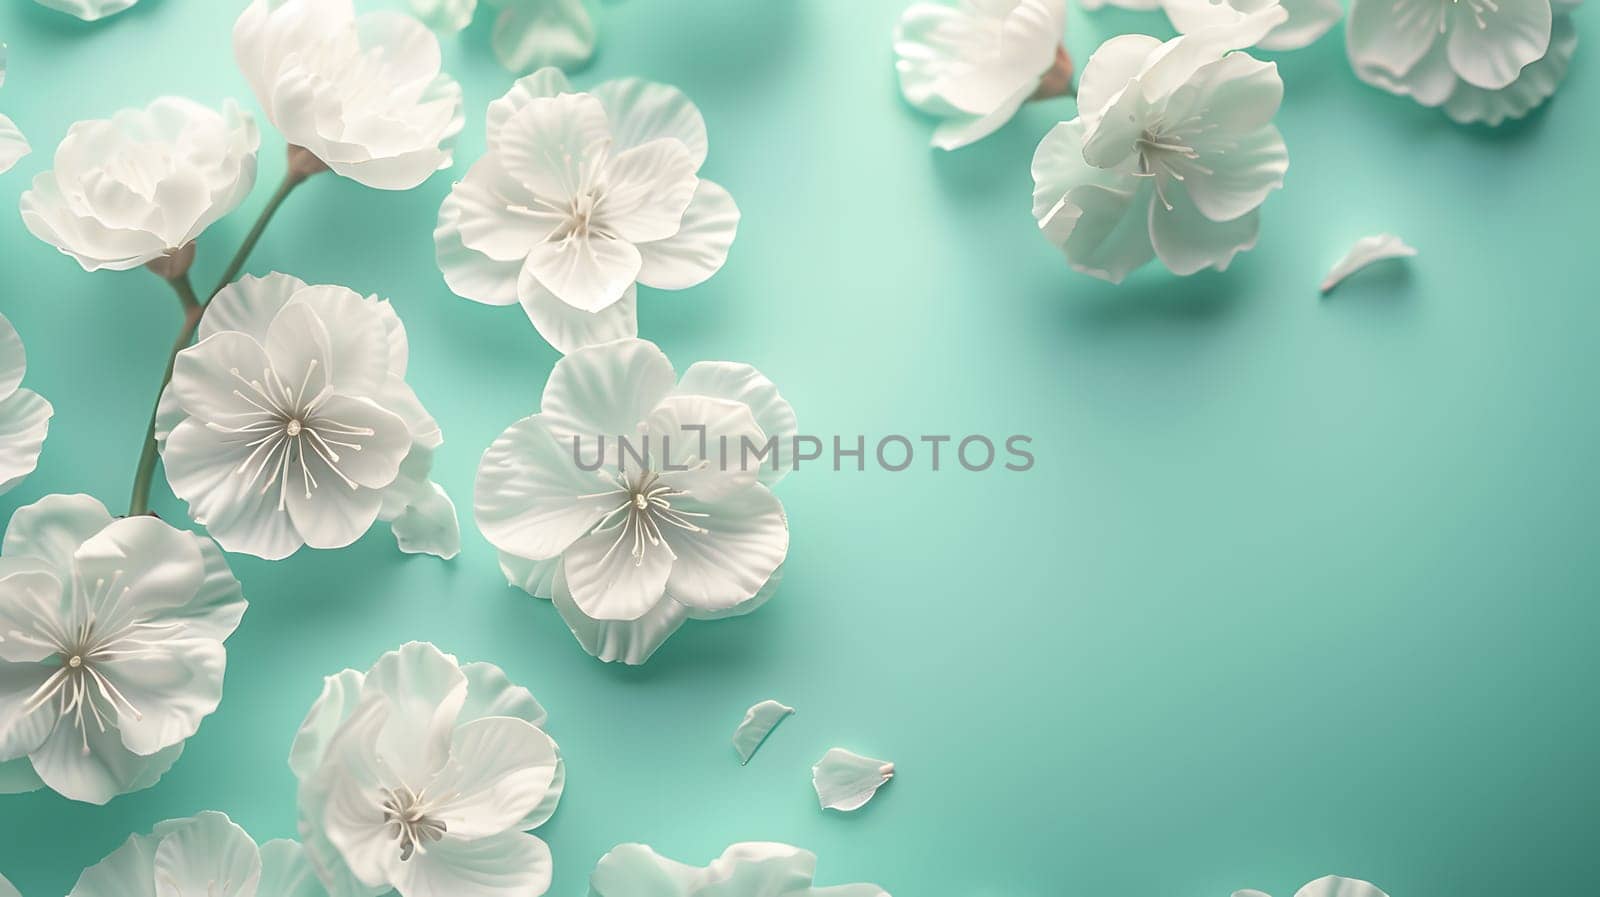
point(143, 184)
point(527, 34)
point(635, 870)
point(1329, 886)
point(1307, 20)
point(364, 95)
point(1482, 60)
point(579, 196)
point(973, 64)
point(1171, 155)
point(111, 649)
point(24, 416)
point(424, 775)
point(290, 423)
point(629, 552)
point(89, 10)
point(206, 855)
point(13, 146)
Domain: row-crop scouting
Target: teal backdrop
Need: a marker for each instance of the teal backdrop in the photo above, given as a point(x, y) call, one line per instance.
point(1297, 586)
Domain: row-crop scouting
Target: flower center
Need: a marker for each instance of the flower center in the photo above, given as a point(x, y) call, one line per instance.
point(1166, 155)
point(101, 637)
point(284, 426)
point(407, 816)
point(643, 509)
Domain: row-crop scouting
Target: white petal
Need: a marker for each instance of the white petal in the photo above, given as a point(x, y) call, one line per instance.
point(536, 577)
point(699, 248)
point(648, 189)
point(1338, 886)
point(1109, 69)
point(500, 770)
point(1187, 241)
point(358, 328)
point(24, 424)
point(587, 272)
point(964, 130)
point(13, 146)
point(641, 111)
point(1367, 251)
point(846, 781)
point(634, 870)
point(1537, 83)
point(175, 685)
point(89, 10)
point(1392, 35)
point(609, 582)
point(547, 144)
point(768, 589)
point(491, 693)
point(448, 16)
point(1239, 176)
point(568, 328)
point(758, 723)
point(606, 390)
point(703, 445)
point(13, 358)
point(1491, 52)
point(22, 731)
point(533, 33)
point(1308, 21)
point(1430, 82)
point(509, 863)
point(773, 413)
point(531, 497)
point(201, 467)
point(546, 82)
point(128, 871)
point(340, 694)
point(51, 529)
point(286, 871)
point(105, 771)
point(743, 539)
point(471, 274)
point(153, 568)
point(206, 855)
point(496, 215)
point(630, 642)
point(249, 304)
point(429, 525)
point(424, 690)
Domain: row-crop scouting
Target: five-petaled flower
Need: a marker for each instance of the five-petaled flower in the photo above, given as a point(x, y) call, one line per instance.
point(144, 183)
point(679, 524)
point(205, 855)
point(111, 649)
point(290, 423)
point(1171, 156)
point(424, 776)
point(1482, 60)
point(363, 95)
point(580, 197)
point(24, 415)
point(974, 63)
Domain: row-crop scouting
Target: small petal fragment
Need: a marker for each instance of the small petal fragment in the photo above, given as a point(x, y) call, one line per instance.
point(1366, 252)
point(846, 781)
point(759, 721)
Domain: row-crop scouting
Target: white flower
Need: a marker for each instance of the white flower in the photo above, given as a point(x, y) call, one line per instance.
point(1482, 60)
point(528, 34)
point(1171, 155)
point(1307, 22)
point(973, 64)
point(364, 95)
point(845, 780)
point(1329, 886)
point(13, 146)
point(424, 775)
point(206, 855)
point(89, 10)
point(145, 183)
point(111, 650)
point(290, 423)
point(632, 547)
point(751, 868)
point(580, 196)
point(24, 416)
point(7, 889)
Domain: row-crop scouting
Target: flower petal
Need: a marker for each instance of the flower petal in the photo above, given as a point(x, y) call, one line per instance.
point(758, 723)
point(533, 33)
point(128, 871)
point(286, 871)
point(106, 770)
point(742, 540)
point(608, 581)
point(1109, 69)
point(640, 111)
point(1367, 251)
point(587, 272)
point(703, 445)
point(340, 695)
point(568, 328)
point(606, 390)
point(1339, 886)
point(546, 143)
point(531, 498)
point(361, 355)
point(429, 525)
point(742, 383)
point(497, 216)
point(1491, 43)
point(1308, 21)
point(546, 82)
point(1538, 82)
point(1242, 173)
point(630, 642)
point(508, 863)
point(202, 468)
point(1392, 35)
point(24, 424)
point(471, 274)
point(699, 248)
point(13, 146)
point(1187, 241)
point(51, 529)
point(648, 189)
point(500, 770)
point(249, 304)
point(174, 683)
point(148, 568)
point(846, 781)
point(22, 731)
point(206, 855)
point(424, 689)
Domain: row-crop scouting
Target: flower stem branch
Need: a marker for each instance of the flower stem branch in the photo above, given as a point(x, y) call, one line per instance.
point(302, 164)
point(1057, 82)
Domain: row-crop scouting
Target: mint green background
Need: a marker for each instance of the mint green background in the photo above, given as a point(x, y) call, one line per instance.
point(1298, 586)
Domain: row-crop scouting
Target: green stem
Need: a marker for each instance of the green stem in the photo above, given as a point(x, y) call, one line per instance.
point(193, 311)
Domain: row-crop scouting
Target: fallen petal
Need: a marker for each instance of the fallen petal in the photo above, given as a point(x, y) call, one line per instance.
point(1367, 251)
point(846, 781)
point(759, 721)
